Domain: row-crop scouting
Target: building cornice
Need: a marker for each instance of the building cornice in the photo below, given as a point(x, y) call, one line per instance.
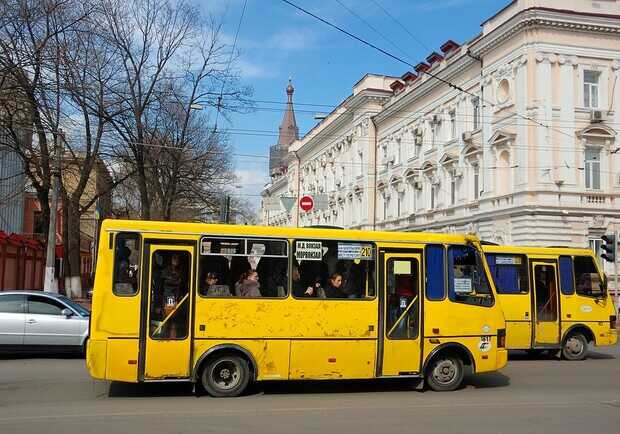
point(453, 69)
point(339, 118)
point(544, 17)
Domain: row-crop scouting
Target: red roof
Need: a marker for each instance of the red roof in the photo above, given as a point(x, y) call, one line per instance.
point(422, 67)
point(449, 46)
point(434, 57)
point(397, 86)
point(409, 77)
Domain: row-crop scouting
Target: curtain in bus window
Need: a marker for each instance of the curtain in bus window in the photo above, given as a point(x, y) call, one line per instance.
point(566, 275)
point(435, 272)
point(506, 272)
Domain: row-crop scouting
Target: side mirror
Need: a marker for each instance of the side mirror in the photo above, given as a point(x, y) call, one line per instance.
point(603, 284)
point(67, 312)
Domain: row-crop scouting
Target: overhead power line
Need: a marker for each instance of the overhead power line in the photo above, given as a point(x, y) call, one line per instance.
point(398, 59)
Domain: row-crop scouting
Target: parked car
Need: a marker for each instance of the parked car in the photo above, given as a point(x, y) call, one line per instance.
point(41, 321)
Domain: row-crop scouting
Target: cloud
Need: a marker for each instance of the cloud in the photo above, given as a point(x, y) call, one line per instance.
point(292, 39)
point(251, 185)
point(248, 69)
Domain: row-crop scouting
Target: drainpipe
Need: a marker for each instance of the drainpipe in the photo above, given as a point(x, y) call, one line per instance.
point(298, 186)
point(374, 189)
point(482, 104)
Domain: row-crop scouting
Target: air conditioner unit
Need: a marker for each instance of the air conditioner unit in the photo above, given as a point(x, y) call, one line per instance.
point(466, 136)
point(418, 140)
point(597, 116)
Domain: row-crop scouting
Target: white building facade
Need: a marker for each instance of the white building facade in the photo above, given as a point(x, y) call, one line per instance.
point(521, 148)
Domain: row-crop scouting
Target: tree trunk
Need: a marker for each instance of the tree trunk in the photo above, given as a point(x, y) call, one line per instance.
point(73, 250)
point(43, 198)
point(145, 203)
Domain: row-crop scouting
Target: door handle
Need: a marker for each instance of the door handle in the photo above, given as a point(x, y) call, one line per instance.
point(31, 321)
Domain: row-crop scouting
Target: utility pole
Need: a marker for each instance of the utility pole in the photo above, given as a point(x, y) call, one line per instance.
point(50, 285)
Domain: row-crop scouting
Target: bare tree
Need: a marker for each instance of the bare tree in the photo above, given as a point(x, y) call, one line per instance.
point(170, 55)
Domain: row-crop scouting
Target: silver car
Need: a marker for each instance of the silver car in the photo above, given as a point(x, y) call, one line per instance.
point(41, 321)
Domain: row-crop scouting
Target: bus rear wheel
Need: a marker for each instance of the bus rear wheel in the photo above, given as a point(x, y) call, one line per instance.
point(225, 375)
point(575, 347)
point(445, 373)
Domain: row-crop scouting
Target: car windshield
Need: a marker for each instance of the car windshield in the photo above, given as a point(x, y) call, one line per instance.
point(77, 307)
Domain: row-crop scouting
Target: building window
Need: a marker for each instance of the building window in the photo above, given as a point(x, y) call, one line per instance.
point(595, 246)
point(590, 89)
point(398, 152)
point(476, 104)
point(399, 202)
point(452, 187)
point(386, 205)
point(433, 192)
point(593, 168)
point(452, 125)
point(476, 181)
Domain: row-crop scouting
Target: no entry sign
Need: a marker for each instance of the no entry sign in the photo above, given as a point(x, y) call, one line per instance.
point(306, 203)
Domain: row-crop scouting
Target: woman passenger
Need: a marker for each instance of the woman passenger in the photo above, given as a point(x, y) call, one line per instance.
point(334, 285)
point(248, 285)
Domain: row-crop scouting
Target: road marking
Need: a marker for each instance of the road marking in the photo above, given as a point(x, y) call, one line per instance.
point(227, 412)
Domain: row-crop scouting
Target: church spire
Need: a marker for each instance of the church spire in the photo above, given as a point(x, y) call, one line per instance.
point(288, 128)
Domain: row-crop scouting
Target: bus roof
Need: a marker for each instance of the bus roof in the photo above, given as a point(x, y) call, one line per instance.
point(146, 226)
point(537, 250)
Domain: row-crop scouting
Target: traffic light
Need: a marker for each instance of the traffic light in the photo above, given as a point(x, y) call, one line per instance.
point(609, 247)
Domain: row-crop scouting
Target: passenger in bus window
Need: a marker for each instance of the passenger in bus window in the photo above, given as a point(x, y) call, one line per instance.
point(333, 289)
point(171, 287)
point(248, 285)
point(213, 289)
point(299, 290)
point(351, 285)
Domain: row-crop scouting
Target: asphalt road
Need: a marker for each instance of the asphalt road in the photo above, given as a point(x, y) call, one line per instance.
point(56, 395)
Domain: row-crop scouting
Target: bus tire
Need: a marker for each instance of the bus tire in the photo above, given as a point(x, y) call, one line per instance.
point(225, 375)
point(575, 346)
point(445, 373)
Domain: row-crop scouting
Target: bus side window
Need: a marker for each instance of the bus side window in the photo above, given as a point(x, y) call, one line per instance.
point(567, 282)
point(435, 272)
point(467, 280)
point(333, 269)
point(587, 279)
point(509, 273)
point(126, 259)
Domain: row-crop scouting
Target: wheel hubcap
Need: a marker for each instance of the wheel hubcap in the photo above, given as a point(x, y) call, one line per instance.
point(226, 374)
point(445, 371)
point(574, 345)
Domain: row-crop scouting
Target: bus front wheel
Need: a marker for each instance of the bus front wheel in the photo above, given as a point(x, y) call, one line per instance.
point(445, 373)
point(225, 375)
point(575, 347)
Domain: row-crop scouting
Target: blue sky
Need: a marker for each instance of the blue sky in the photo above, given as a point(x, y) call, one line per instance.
point(276, 41)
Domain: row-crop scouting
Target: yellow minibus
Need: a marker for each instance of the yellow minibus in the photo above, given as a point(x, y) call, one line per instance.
point(225, 305)
point(554, 299)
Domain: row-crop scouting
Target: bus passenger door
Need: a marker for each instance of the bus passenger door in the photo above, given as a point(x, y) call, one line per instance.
point(401, 313)
point(546, 319)
point(166, 329)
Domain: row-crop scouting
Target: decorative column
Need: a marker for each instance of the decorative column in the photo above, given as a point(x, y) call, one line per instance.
point(487, 132)
point(567, 119)
point(521, 149)
point(543, 135)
